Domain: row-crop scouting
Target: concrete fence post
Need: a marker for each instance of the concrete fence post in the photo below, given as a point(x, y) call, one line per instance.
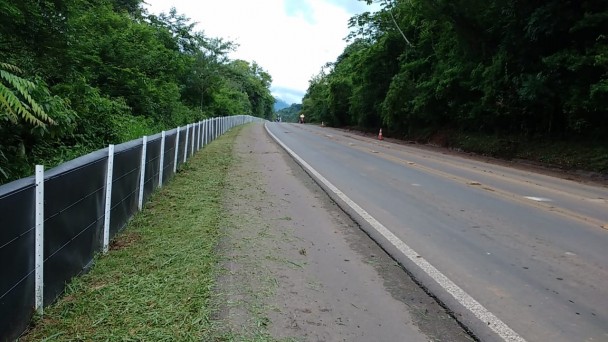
point(108, 206)
point(142, 176)
point(39, 241)
point(176, 151)
point(186, 143)
point(161, 162)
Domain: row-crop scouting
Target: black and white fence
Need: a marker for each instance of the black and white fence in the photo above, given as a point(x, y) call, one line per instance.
point(53, 223)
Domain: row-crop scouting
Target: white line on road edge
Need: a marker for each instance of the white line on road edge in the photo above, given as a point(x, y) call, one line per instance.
point(494, 323)
point(538, 199)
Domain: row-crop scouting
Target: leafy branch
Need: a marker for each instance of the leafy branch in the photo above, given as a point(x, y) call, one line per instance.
point(16, 98)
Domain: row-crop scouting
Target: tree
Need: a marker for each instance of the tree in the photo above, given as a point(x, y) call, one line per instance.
point(533, 69)
point(125, 72)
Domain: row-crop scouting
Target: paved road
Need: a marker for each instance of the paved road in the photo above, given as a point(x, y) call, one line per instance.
point(531, 249)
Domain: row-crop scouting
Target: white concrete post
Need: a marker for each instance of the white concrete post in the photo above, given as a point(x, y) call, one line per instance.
point(39, 240)
point(163, 137)
point(176, 151)
point(186, 144)
point(142, 173)
point(106, 221)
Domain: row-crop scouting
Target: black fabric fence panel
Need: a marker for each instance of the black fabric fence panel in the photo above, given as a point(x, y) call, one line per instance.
point(182, 146)
point(192, 140)
point(125, 184)
point(73, 219)
point(169, 155)
point(152, 166)
point(17, 233)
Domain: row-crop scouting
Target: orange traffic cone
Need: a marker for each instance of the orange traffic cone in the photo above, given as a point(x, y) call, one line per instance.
point(380, 135)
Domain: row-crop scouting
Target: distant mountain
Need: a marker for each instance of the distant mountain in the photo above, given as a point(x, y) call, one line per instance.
point(289, 114)
point(279, 104)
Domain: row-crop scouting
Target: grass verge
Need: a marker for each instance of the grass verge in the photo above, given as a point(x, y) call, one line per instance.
point(157, 282)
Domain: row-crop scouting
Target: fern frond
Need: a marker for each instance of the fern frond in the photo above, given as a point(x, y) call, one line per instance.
point(27, 109)
point(15, 108)
point(10, 67)
point(8, 103)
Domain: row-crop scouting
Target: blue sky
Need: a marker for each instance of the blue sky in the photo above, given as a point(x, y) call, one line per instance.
point(291, 39)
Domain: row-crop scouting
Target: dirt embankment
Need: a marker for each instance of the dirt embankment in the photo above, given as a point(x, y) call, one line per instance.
point(440, 143)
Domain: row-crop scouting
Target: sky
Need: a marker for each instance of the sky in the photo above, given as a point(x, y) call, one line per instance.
point(290, 39)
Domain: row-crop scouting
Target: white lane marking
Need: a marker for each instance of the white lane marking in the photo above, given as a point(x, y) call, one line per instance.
point(493, 322)
point(416, 184)
point(538, 199)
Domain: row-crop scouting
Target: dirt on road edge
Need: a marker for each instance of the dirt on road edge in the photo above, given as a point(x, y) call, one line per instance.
point(297, 268)
point(580, 176)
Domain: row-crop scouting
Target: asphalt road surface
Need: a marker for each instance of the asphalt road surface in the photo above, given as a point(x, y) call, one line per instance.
point(516, 255)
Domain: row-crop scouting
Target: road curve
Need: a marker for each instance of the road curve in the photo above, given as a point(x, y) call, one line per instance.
point(530, 249)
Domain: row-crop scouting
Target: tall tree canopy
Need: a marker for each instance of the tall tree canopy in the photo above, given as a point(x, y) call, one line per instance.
point(83, 74)
point(526, 68)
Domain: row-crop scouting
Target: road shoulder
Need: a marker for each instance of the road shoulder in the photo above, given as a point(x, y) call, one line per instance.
point(295, 267)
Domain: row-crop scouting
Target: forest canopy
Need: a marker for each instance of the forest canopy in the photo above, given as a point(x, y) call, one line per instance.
point(76, 75)
point(519, 69)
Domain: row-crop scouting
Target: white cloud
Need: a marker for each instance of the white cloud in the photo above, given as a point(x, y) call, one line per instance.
point(291, 48)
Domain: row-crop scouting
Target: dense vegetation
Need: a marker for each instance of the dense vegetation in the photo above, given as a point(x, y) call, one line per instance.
point(514, 71)
point(76, 75)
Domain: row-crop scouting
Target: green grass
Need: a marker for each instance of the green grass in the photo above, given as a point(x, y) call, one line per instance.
point(156, 284)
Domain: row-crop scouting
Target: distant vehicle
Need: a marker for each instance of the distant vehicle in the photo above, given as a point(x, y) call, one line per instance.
point(301, 118)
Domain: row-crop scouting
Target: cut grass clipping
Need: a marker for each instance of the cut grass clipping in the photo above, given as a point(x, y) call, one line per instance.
point(157, 281)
